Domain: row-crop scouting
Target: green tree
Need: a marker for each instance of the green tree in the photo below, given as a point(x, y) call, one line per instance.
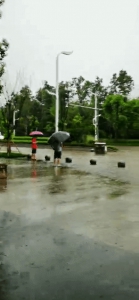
point(121, 83)
point(79, 121)
point(64, 100)
point(23, 101)
point(7, 121)
point(114, 106)
point(98, 88)
point(80, 89)
point(46, 111)
point(131, 112)
point(3, 51)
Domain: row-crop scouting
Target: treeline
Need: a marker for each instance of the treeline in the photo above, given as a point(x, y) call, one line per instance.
point(119, 114)
point(22, 112)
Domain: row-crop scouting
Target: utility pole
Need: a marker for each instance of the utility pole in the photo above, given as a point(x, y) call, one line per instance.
point(95, 119)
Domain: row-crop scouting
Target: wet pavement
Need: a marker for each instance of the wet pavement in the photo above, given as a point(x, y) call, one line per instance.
point(70, 232)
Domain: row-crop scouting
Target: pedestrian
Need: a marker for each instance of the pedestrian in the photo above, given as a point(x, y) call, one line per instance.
point(34, 148)
point(57, 154)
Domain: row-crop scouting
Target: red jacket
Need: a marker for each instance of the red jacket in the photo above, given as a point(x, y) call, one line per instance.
point(34, 143)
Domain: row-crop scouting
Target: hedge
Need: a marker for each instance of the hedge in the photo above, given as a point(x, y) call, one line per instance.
point(29, 138)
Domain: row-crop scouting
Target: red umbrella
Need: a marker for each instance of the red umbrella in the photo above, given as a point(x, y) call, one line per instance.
point(36, 133)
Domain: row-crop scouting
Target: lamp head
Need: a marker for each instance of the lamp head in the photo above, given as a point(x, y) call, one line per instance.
point(67, 52)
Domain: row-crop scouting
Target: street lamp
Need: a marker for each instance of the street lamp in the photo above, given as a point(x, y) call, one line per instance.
point(57, 87)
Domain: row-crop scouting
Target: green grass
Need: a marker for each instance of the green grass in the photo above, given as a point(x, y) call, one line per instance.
point(121, 142)
point(112, 142)
point(29, 142)
point(89, 139)
point(25, 140)
point(88, 142)
point(12, 155)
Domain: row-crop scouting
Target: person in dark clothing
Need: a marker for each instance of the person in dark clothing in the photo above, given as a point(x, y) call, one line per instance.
point(57, 154)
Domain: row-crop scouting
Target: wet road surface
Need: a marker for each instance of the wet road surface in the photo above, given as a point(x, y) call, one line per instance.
point(70, 232)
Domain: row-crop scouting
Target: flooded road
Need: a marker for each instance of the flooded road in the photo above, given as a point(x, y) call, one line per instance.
point(70, 232)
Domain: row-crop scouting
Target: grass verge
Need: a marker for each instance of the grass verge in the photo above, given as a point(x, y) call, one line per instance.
point(12, 155)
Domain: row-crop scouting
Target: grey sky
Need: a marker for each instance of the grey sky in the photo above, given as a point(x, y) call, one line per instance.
point(104, 35)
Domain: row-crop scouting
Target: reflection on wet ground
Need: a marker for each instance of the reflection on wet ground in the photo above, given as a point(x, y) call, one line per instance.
point(3, 185)
point(70, 232)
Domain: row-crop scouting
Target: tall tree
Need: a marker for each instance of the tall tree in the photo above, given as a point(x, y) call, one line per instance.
point(3, 51)
point(121, 83)
point(23, 101)
point(7, 112)
point(46, 111)
point(114, 112)
point(80, 89)
point(99, 89)
point(131, 112)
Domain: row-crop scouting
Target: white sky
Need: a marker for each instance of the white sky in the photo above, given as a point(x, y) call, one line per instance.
point(104, 35)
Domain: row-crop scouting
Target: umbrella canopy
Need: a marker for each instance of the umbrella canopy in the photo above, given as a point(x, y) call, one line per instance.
point(36, 133)
point(58, 137)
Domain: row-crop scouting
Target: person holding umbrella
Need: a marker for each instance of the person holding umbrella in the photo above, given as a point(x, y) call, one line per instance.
point(56, 141)
point(34, 146)
point(57, 153)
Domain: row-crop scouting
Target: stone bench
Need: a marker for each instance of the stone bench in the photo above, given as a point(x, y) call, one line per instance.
point(100, 148)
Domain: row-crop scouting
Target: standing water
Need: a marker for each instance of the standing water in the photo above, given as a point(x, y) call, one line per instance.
point(70, 232)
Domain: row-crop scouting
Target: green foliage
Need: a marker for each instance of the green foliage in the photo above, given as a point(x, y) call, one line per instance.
point(121, 84)
point(27, 140)
point(12, 155)
point(7, 119)
point(119, 116)
point(114, 112)
point(1, 3)
point(3, 51)
point(121, 142)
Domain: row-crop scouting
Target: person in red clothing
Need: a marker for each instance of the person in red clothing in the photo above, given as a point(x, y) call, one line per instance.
point(34, 148)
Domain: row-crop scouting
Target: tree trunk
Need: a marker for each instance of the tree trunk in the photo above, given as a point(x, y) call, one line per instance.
point(117, 122)
point(8, 148)
point(116, 134)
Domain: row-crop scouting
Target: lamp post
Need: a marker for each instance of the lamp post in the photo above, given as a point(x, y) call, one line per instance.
point(57, 87)
point(95, 119)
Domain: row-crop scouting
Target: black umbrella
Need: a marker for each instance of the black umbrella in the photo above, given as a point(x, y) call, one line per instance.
point(58, 137)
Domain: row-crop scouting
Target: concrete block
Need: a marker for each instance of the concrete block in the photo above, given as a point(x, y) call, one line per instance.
point(47, 158)
point(121, 164)
point(68, 160)
point(93, 162)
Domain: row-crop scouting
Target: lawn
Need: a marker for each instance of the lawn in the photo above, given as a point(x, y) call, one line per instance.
point(12, 155)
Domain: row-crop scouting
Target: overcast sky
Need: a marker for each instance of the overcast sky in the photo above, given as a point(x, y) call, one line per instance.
point(104, 35)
